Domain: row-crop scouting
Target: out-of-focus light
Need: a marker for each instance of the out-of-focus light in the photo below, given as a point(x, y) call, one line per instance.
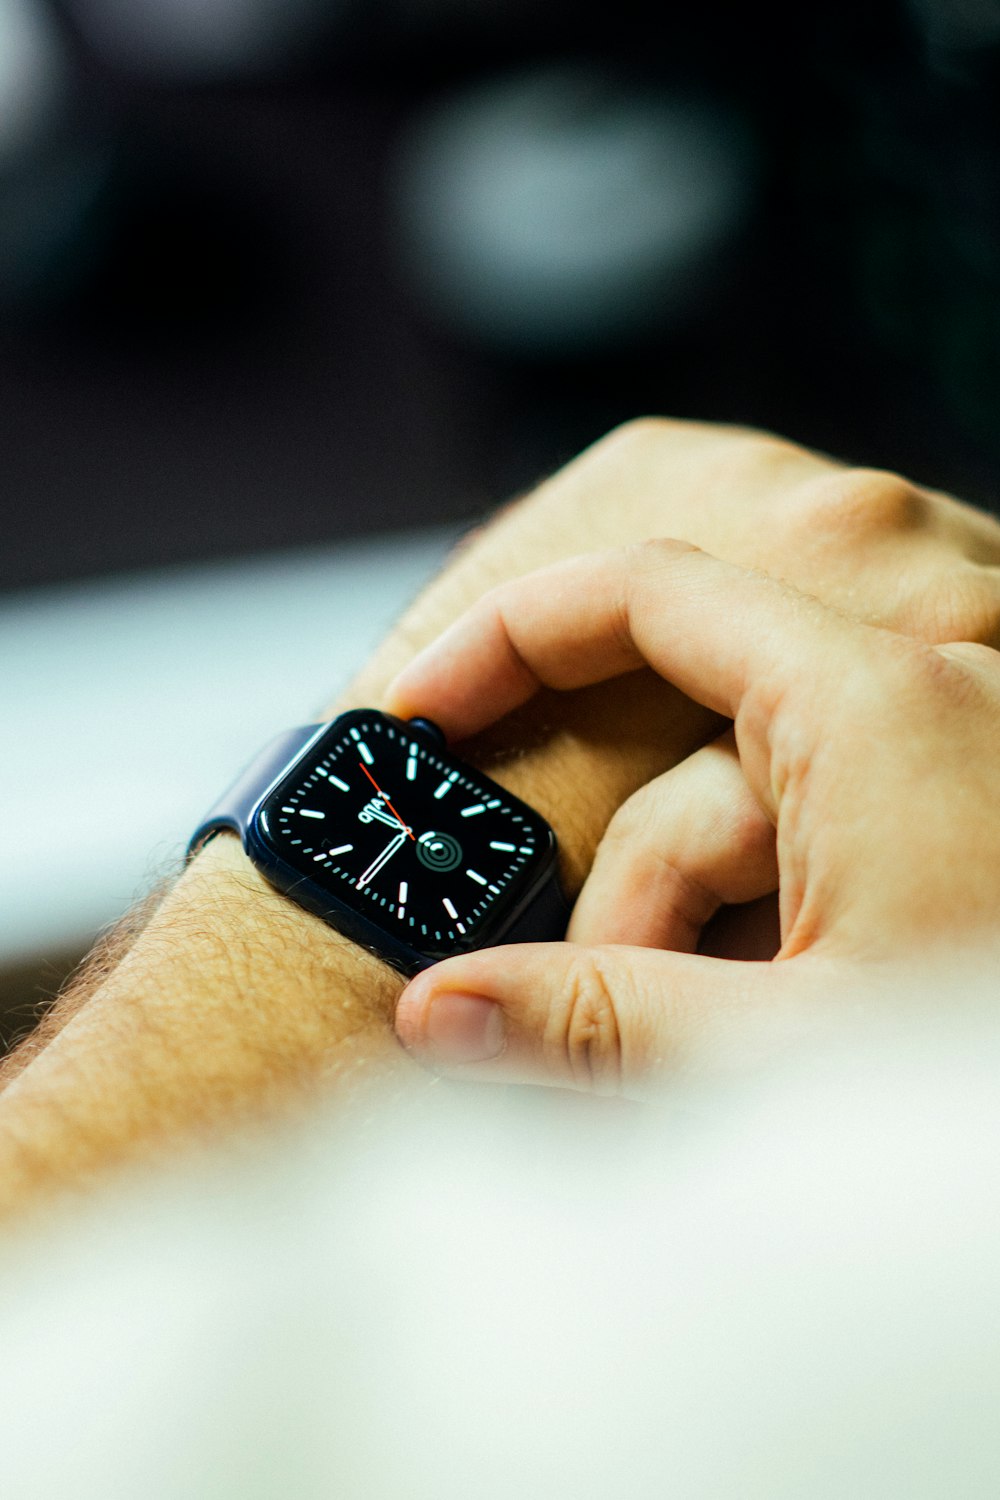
point(32, 75)
point(201, 38)
point(559, 209)
point(50, 177)
point(959, 25)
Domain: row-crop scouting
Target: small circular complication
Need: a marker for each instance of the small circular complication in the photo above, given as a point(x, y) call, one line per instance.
point(438, 851)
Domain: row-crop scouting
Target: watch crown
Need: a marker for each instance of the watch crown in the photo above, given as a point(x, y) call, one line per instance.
point(427, 726)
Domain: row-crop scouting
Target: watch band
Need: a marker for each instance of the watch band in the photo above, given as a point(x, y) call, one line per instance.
point(233, 809)
point(545, 920)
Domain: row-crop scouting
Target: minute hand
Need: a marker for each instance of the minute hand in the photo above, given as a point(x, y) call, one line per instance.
point(383, 858)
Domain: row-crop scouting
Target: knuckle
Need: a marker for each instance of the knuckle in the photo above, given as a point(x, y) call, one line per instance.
point(908, 682)
point(641, 853)
point(965, 606)
point(584, 1030)
point(653, 554)
point(626, 827)
point(749, 834)
point(853, 502)
point(726, 451)
point(639, 432)
point(973, 654)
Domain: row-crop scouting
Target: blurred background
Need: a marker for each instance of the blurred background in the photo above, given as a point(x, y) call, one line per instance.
point(291, 291)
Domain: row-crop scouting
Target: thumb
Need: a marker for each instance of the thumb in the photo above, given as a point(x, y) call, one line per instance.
point(611, 1020)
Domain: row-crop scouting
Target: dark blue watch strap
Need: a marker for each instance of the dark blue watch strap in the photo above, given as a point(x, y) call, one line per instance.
point(233, 809)
point(545, 920)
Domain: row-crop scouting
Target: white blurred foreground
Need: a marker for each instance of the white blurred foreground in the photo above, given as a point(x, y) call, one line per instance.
point(781, 1288)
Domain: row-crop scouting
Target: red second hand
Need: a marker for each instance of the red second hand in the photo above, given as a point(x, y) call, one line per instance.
point(385, 799)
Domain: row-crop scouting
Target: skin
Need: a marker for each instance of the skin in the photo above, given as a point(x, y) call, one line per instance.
point(866, 762)
point(231, 1003)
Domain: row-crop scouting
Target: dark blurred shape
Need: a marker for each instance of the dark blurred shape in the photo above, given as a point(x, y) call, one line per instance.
point(570, 208)
point(221, 333)
point(202, 39)
point(51, 175)
point(958, 24)
point(33, 75)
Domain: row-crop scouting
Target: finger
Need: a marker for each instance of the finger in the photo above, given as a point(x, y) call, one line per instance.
point(685, 844)
point(748, 931)
point(707, 626)
point(607, 1020)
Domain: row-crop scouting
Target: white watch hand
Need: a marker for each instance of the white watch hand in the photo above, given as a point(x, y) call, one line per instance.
point(383, 858)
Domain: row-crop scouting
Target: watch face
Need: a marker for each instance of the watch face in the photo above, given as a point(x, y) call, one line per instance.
point(395, 829)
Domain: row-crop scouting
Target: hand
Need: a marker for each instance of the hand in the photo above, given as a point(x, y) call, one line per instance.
point(207, 1017)
point(870, 542)
point(872, 776)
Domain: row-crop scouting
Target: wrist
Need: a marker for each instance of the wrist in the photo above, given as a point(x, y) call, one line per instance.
point(230, 1003)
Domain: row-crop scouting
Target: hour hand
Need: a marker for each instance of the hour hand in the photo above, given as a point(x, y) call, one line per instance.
point(383, 858)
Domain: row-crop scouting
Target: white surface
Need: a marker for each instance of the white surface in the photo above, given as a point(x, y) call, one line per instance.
point(128, 705)
point(782, 1288)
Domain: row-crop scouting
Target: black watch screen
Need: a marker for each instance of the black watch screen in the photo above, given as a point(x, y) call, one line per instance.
point(382, 819)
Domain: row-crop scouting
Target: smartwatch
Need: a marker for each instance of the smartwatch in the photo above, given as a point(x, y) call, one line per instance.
point(372, 824)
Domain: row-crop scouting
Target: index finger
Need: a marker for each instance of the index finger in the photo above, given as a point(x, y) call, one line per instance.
point(706, 626)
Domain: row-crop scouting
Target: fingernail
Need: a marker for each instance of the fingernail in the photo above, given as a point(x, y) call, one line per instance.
point(462, 1029)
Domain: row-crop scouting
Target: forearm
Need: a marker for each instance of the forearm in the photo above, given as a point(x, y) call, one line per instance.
point(233, 1002)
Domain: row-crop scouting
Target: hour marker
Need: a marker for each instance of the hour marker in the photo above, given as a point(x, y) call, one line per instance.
point(288, 809)
point(323, 854)
point(526, 849)
point(308, 812)
point(355, 734)
point(472, 874)
point(470, 812)
point(341, 785)
point(404, 891)
point(411, 767)
point(365, 753)
point(341, 849)
point(494, 803)
point(401, 912)
point(322, 771)
point(460, 926)
point(449, 908)
point(504, 848)
point(446, 785)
